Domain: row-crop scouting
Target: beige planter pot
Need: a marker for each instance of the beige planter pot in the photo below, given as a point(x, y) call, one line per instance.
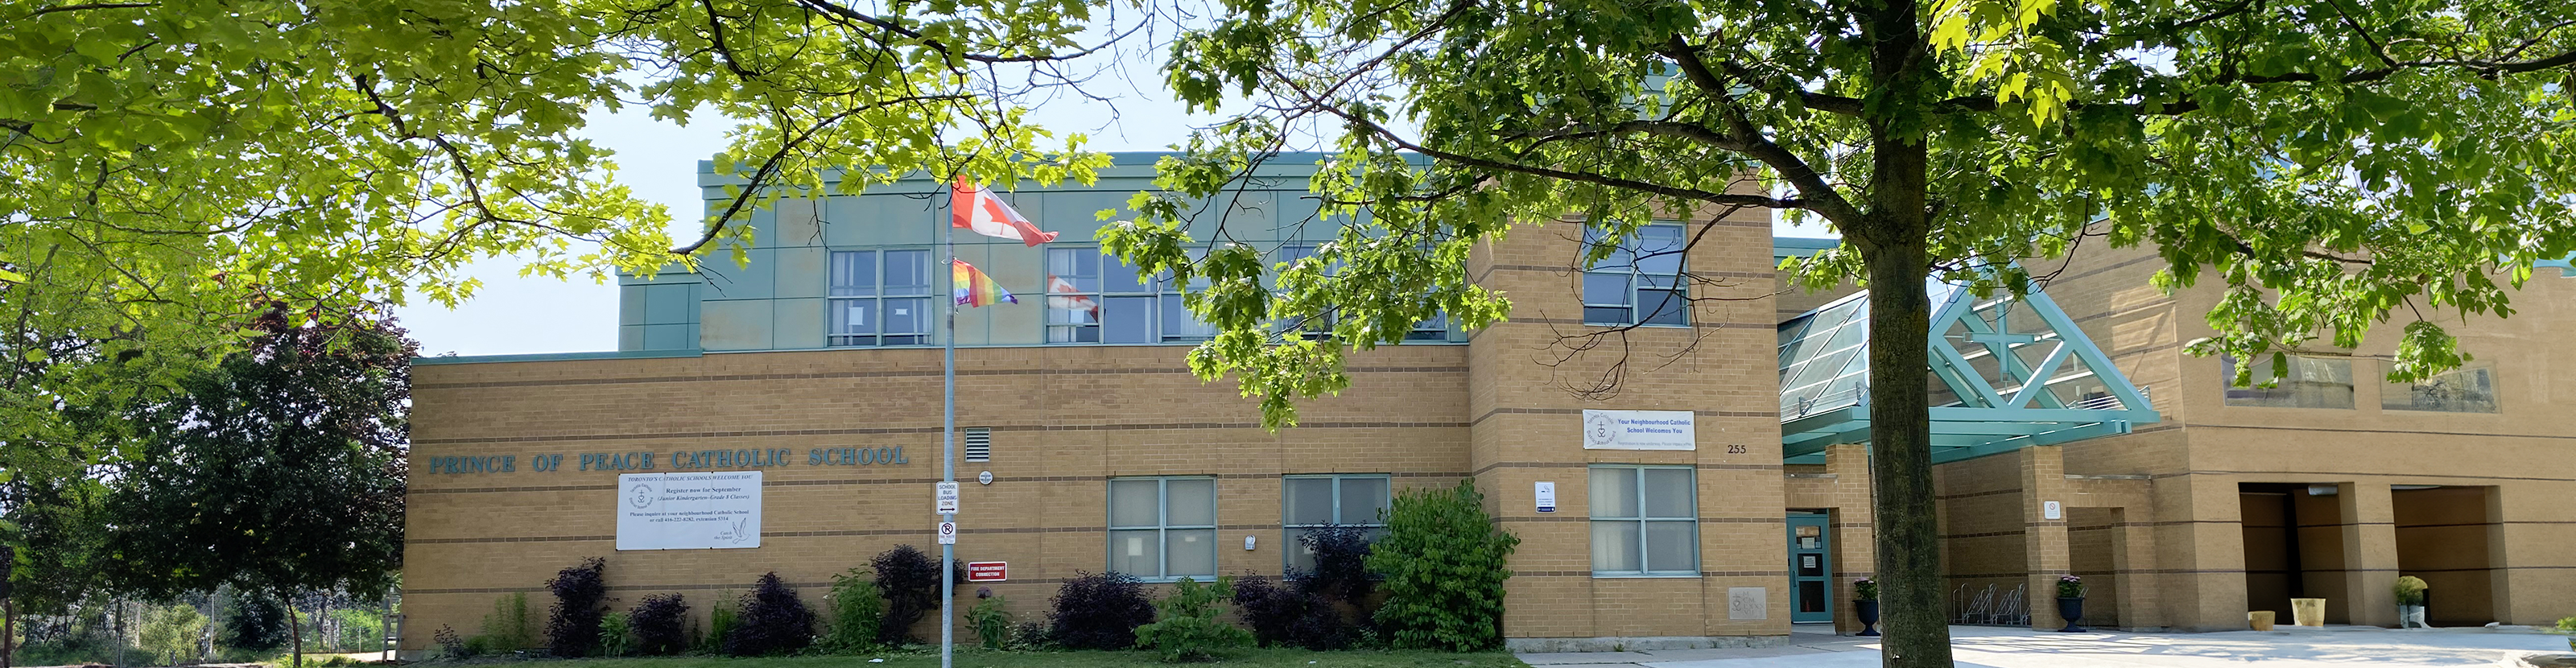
point(2261, 620)
point(2308, 611)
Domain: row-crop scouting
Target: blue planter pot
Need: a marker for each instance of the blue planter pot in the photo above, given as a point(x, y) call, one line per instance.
point(2071, 609)
point(1867, 611)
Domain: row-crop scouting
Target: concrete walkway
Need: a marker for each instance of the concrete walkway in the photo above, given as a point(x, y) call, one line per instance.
point(1992, 647)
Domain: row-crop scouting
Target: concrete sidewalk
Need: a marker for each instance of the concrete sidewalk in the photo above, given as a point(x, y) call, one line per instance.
point(1993, 647)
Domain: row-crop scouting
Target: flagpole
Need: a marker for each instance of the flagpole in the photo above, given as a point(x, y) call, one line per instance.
point(948, 448)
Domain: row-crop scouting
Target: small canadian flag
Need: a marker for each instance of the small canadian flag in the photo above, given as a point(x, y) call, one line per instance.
point(980, 210)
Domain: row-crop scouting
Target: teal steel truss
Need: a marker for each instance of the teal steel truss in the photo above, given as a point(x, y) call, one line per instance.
point(2006, 373)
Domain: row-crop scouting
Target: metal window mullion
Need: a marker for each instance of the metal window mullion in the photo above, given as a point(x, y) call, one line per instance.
point(1162, 527)
point(1639, 476)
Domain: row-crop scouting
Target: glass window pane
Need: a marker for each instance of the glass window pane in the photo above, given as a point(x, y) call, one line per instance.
point(1672, 546)
point(1614, 546)
point(1189, 502)
point(1190, 552)
point(1362, 498)
point(1614, 492)
point(1137, 553)
point(1180, 324)
point(1300, 557)
point(1073, 334)
point(1664, 307)
point(1606, 315)
point(1134, 503)
point(1811, 596)
point(1073, 310)
point(854, 273)
point(1308, 501)
point(907, 272)
point(854, 316)
point(1605, 288)
point(907, 316)
point(1116, 276)
point(1659, 249)
point(1128, 320)
point(1669, 494)
point(1073, 270)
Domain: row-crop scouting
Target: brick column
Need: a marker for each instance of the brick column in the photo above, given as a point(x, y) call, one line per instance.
point(2044, 549)
point(1855, 541)
point(2370, 555)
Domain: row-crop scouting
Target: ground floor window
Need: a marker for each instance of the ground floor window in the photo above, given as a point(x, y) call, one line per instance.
point(1645, 521)
point(1310, 502)
point(1163, 528)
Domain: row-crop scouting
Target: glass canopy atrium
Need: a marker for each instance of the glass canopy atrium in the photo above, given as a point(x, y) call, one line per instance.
point(2006, 373)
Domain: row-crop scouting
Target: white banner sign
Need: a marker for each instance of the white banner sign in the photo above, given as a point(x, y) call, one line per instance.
point(688, 511)
point(1639, 430)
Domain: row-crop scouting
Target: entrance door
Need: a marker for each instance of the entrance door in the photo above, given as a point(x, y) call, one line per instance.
point(1811, 570)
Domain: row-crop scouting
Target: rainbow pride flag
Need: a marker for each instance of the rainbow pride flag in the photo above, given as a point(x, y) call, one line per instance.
point(974, 288)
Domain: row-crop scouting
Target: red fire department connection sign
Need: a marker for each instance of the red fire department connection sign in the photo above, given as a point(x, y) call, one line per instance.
point(987, 571)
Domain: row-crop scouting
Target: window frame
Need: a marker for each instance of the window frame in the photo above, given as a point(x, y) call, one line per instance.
point(2287, 388)
point(1644, 521)
point(835, 303)
point(1163, 527)
point(1288, 548)
point(2494, 402)
point(1434, 329)
point(1157, 289)
point(1634, 272)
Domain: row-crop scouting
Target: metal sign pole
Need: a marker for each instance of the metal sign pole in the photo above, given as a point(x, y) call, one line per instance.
point(948, 448)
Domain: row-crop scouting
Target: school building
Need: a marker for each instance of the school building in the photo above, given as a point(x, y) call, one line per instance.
point(784, 416)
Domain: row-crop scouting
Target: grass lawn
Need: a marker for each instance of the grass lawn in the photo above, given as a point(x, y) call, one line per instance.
point(966, 658)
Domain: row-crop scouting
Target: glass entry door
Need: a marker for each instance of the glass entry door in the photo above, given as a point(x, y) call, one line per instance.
point(1811, 571)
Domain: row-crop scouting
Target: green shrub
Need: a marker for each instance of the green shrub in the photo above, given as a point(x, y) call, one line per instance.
point(509, 628)
point(1443, 563)
point(171, 631)
point(857, 612)
point(2410, 590)
point(616, 634)
point(254, 621)
point(2567, 625)
point(360, 630)
point(992, 621)
point(720, 622)
point(1186, 627)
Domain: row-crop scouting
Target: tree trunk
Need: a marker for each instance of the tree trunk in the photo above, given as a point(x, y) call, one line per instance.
point(294, 631)
point(1916, 630)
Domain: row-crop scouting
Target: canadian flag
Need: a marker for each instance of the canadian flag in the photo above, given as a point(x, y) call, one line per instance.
point(979, 210)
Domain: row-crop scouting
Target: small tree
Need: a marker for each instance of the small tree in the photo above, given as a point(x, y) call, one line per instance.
point(278, 472)
point(1444, 563)
point(581, 596)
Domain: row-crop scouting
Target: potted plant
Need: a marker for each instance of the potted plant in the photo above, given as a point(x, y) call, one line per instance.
point(2070, 601)
point(1865, 606)
point(2410, 602)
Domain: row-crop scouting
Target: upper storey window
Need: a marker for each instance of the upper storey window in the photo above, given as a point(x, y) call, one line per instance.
point(2310, 382)
point(1095, 298)
point(1640, 283)
point(1434, 329)
point(2470, 390)
point(880, 298)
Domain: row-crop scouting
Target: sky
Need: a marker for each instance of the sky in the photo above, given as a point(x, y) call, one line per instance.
point(513, 315)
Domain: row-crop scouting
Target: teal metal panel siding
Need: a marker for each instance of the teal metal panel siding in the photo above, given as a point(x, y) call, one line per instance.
point(780, 301)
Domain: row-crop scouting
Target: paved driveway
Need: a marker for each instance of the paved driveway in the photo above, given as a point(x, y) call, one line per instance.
point(1989, 647)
